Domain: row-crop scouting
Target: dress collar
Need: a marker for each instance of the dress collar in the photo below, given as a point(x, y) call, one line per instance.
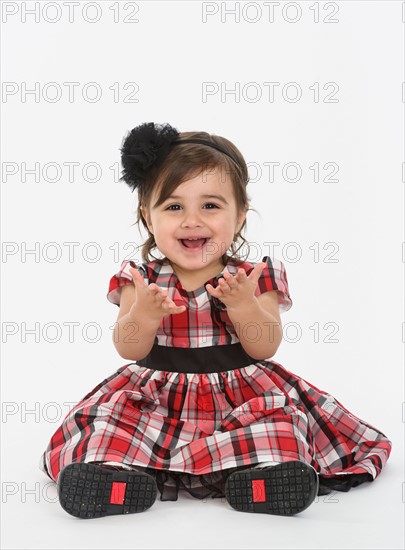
point(231, 267)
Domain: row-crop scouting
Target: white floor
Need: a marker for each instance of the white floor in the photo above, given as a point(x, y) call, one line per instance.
point(369, 516)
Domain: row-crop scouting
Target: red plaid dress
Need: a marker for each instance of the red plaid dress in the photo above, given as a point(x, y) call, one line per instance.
point(198, 407)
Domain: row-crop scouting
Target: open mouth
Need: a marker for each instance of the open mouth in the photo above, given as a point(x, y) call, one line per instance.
point(193, 244)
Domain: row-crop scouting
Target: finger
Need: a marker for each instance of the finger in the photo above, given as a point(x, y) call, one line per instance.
point(172, 308)
point(136, 276)
point(179, 309)
point(134, 273)
point(230, 279)
point(163, 298)
point(212, 290)
point(170, 302)
point(154, 288)
point(256, 271)
point(224, 285)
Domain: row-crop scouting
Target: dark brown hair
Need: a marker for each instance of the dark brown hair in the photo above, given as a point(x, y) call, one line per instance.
point(186, 161)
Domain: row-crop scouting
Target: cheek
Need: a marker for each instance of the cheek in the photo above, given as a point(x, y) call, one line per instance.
point(225, 225)
point(165, 228)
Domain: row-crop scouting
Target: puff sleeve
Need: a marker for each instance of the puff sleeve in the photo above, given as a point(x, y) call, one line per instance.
point(274, 277)
point(121, 278)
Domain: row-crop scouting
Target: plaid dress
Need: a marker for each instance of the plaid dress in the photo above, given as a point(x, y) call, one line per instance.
point(198, 407)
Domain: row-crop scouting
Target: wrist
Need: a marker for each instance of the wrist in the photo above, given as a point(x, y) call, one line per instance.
point(243, 306)
point(139, 314)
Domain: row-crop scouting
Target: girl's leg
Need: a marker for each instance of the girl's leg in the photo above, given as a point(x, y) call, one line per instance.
point(264, 465)
point(90, 490)
point(117, 466)
point(284, 488)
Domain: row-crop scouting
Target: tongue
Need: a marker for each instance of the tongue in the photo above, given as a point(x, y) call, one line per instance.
point(193, 244)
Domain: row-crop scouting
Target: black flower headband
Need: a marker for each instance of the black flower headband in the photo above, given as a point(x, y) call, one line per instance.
point(147, 145)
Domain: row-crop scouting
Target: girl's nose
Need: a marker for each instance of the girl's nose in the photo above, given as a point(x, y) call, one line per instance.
point(191, 219)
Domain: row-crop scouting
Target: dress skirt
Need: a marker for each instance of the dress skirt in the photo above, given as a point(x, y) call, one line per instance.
point(191, 430)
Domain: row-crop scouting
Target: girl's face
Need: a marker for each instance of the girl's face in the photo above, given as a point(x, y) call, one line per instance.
point(190, 214)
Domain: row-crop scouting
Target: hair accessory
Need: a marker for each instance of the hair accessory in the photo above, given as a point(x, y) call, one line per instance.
point(143, 147)
point(147, 145)
point(204, 142)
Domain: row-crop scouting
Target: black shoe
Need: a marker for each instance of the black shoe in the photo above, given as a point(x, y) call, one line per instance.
point(284, 489)
point(88, 491)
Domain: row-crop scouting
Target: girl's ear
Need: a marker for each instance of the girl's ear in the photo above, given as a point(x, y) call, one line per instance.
point(241, 219)
point(145, 214)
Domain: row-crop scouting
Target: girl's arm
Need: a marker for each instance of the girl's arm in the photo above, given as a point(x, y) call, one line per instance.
point(258, 325)
point(134, 335)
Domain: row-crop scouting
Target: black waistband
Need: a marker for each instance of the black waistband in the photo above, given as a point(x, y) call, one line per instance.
point(199, 360)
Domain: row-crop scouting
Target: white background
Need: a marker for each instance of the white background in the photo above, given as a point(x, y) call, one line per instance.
point(356, 224)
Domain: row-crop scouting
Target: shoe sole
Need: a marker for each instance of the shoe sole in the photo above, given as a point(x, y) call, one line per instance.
point(284, 489)
point(88, 491)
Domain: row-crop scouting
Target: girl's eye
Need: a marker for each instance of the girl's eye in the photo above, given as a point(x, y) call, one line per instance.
point(211, 203)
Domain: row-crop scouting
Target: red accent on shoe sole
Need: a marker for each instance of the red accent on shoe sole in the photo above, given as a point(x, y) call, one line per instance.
point(259, 491)
point(117, 492)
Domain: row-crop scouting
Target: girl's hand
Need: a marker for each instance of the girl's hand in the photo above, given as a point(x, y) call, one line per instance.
point(235, 291)
point(152, 299)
